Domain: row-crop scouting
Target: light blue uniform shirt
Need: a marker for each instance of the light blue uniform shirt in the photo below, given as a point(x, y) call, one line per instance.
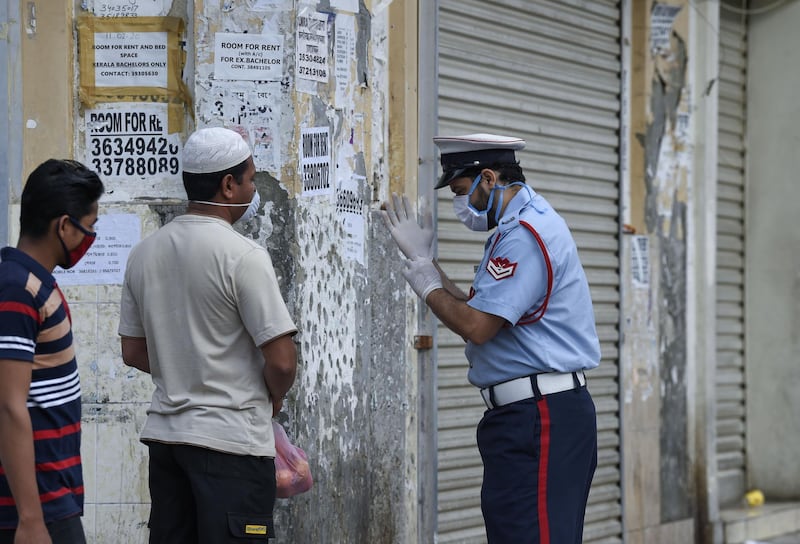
point(511, 282)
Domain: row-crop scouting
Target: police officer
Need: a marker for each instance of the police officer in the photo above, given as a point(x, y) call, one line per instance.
point(530, 334)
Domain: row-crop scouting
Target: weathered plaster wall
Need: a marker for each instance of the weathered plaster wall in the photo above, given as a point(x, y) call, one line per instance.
point(47, 100)
point(658, 474)
point(353, 406)
point(10, 97)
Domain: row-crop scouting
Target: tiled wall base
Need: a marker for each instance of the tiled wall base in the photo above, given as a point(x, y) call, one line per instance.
point(767, 521)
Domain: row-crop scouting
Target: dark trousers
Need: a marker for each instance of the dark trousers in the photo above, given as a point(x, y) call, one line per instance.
point(201, 496)
point(63, 531)
point(539, 457)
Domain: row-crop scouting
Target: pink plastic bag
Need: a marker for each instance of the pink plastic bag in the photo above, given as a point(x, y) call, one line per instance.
point(292, 472)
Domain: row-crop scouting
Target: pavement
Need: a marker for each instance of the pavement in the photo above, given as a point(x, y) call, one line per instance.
point(786, 539)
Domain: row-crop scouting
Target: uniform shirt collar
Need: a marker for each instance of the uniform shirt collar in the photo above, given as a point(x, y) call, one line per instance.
point(523, 196)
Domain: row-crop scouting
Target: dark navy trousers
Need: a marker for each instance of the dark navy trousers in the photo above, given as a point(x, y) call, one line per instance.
point(64, 531)
point(539, 457)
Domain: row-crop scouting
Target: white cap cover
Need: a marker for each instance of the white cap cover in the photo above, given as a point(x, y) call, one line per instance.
point(214, 149)
point(476, 142)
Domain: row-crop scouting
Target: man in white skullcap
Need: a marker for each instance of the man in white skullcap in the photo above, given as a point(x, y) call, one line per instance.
point(202, 313)
point(530, 334)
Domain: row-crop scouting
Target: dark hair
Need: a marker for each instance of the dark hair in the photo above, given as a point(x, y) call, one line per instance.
point(56, 188)
point(205, 186)
point(510, 171)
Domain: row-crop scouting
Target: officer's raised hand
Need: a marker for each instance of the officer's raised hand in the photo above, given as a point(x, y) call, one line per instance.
point(412, 239)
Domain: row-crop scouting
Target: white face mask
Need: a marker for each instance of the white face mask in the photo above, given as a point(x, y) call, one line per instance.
point(249, 213)
point(251, 210)
point(478, 220)
point(473, 219)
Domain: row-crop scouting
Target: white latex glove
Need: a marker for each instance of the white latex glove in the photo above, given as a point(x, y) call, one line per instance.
point(422, 276)
point(412, 239)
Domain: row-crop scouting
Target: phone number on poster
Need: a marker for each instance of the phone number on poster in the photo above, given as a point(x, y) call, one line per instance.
point(131, 146)
point(118, 156)
point(136, 166)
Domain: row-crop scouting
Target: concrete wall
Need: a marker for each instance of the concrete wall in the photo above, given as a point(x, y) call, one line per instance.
point(773, 254)
point(357, 406)
point(354, 406)
point(667, 183)
point(10, 97)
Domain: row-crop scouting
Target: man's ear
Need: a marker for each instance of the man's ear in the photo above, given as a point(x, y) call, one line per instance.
point(490, 176)
point(61, 222)
point(226, 186)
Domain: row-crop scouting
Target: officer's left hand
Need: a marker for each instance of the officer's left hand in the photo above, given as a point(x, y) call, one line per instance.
point(422, 276)
point(412, 239)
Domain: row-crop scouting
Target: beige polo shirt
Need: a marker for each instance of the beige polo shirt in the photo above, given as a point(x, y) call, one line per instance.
point(205, 298)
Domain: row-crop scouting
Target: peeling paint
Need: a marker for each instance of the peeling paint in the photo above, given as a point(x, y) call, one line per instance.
point(352, 407)
point(667, 160)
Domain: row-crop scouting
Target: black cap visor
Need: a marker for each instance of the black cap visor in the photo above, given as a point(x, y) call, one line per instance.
point(455, 164)
point(448, 176)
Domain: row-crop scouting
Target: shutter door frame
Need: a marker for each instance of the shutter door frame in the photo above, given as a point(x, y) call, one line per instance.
point(571, 119)
point(730, 360)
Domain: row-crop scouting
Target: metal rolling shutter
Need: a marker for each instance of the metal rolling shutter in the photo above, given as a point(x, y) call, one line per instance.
point(730, 260)
point(549, 72)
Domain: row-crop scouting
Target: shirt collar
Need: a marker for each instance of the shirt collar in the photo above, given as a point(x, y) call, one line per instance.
point(13, 254)
point(198, 218)
point(523, 196)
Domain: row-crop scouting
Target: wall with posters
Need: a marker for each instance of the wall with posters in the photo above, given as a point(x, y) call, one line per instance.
point(307, 85)
point(665, 454)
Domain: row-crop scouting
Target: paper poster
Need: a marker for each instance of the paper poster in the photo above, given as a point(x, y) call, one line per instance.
point(269, 5)
point(104, 263)
point(343, 55)
point(131, 140)
point(127, 8)
point(350, 210)
point(640, 260)
point(251, 109)
point(254, 57)
point(315, 161)
point(133, 59)
point(345, 5)
point(661, 19)
point(130, 59)
point(312, 47)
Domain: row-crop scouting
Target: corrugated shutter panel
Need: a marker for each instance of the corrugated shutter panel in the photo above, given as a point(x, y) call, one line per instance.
point(548, 72)
point(730, 260)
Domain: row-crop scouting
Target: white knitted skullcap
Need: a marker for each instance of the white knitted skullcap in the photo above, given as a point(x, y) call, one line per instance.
point(214, 149)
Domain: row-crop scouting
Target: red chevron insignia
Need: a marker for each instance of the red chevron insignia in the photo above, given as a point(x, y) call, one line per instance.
point(501, 268)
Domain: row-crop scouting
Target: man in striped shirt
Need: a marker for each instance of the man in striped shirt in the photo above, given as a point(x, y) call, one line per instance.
point(41, 480)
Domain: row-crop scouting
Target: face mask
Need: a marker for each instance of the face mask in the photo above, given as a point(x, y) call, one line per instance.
point(502, 188)
point(248, 214)
point(72, 257)
point(251, 210)
point(473, 219)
